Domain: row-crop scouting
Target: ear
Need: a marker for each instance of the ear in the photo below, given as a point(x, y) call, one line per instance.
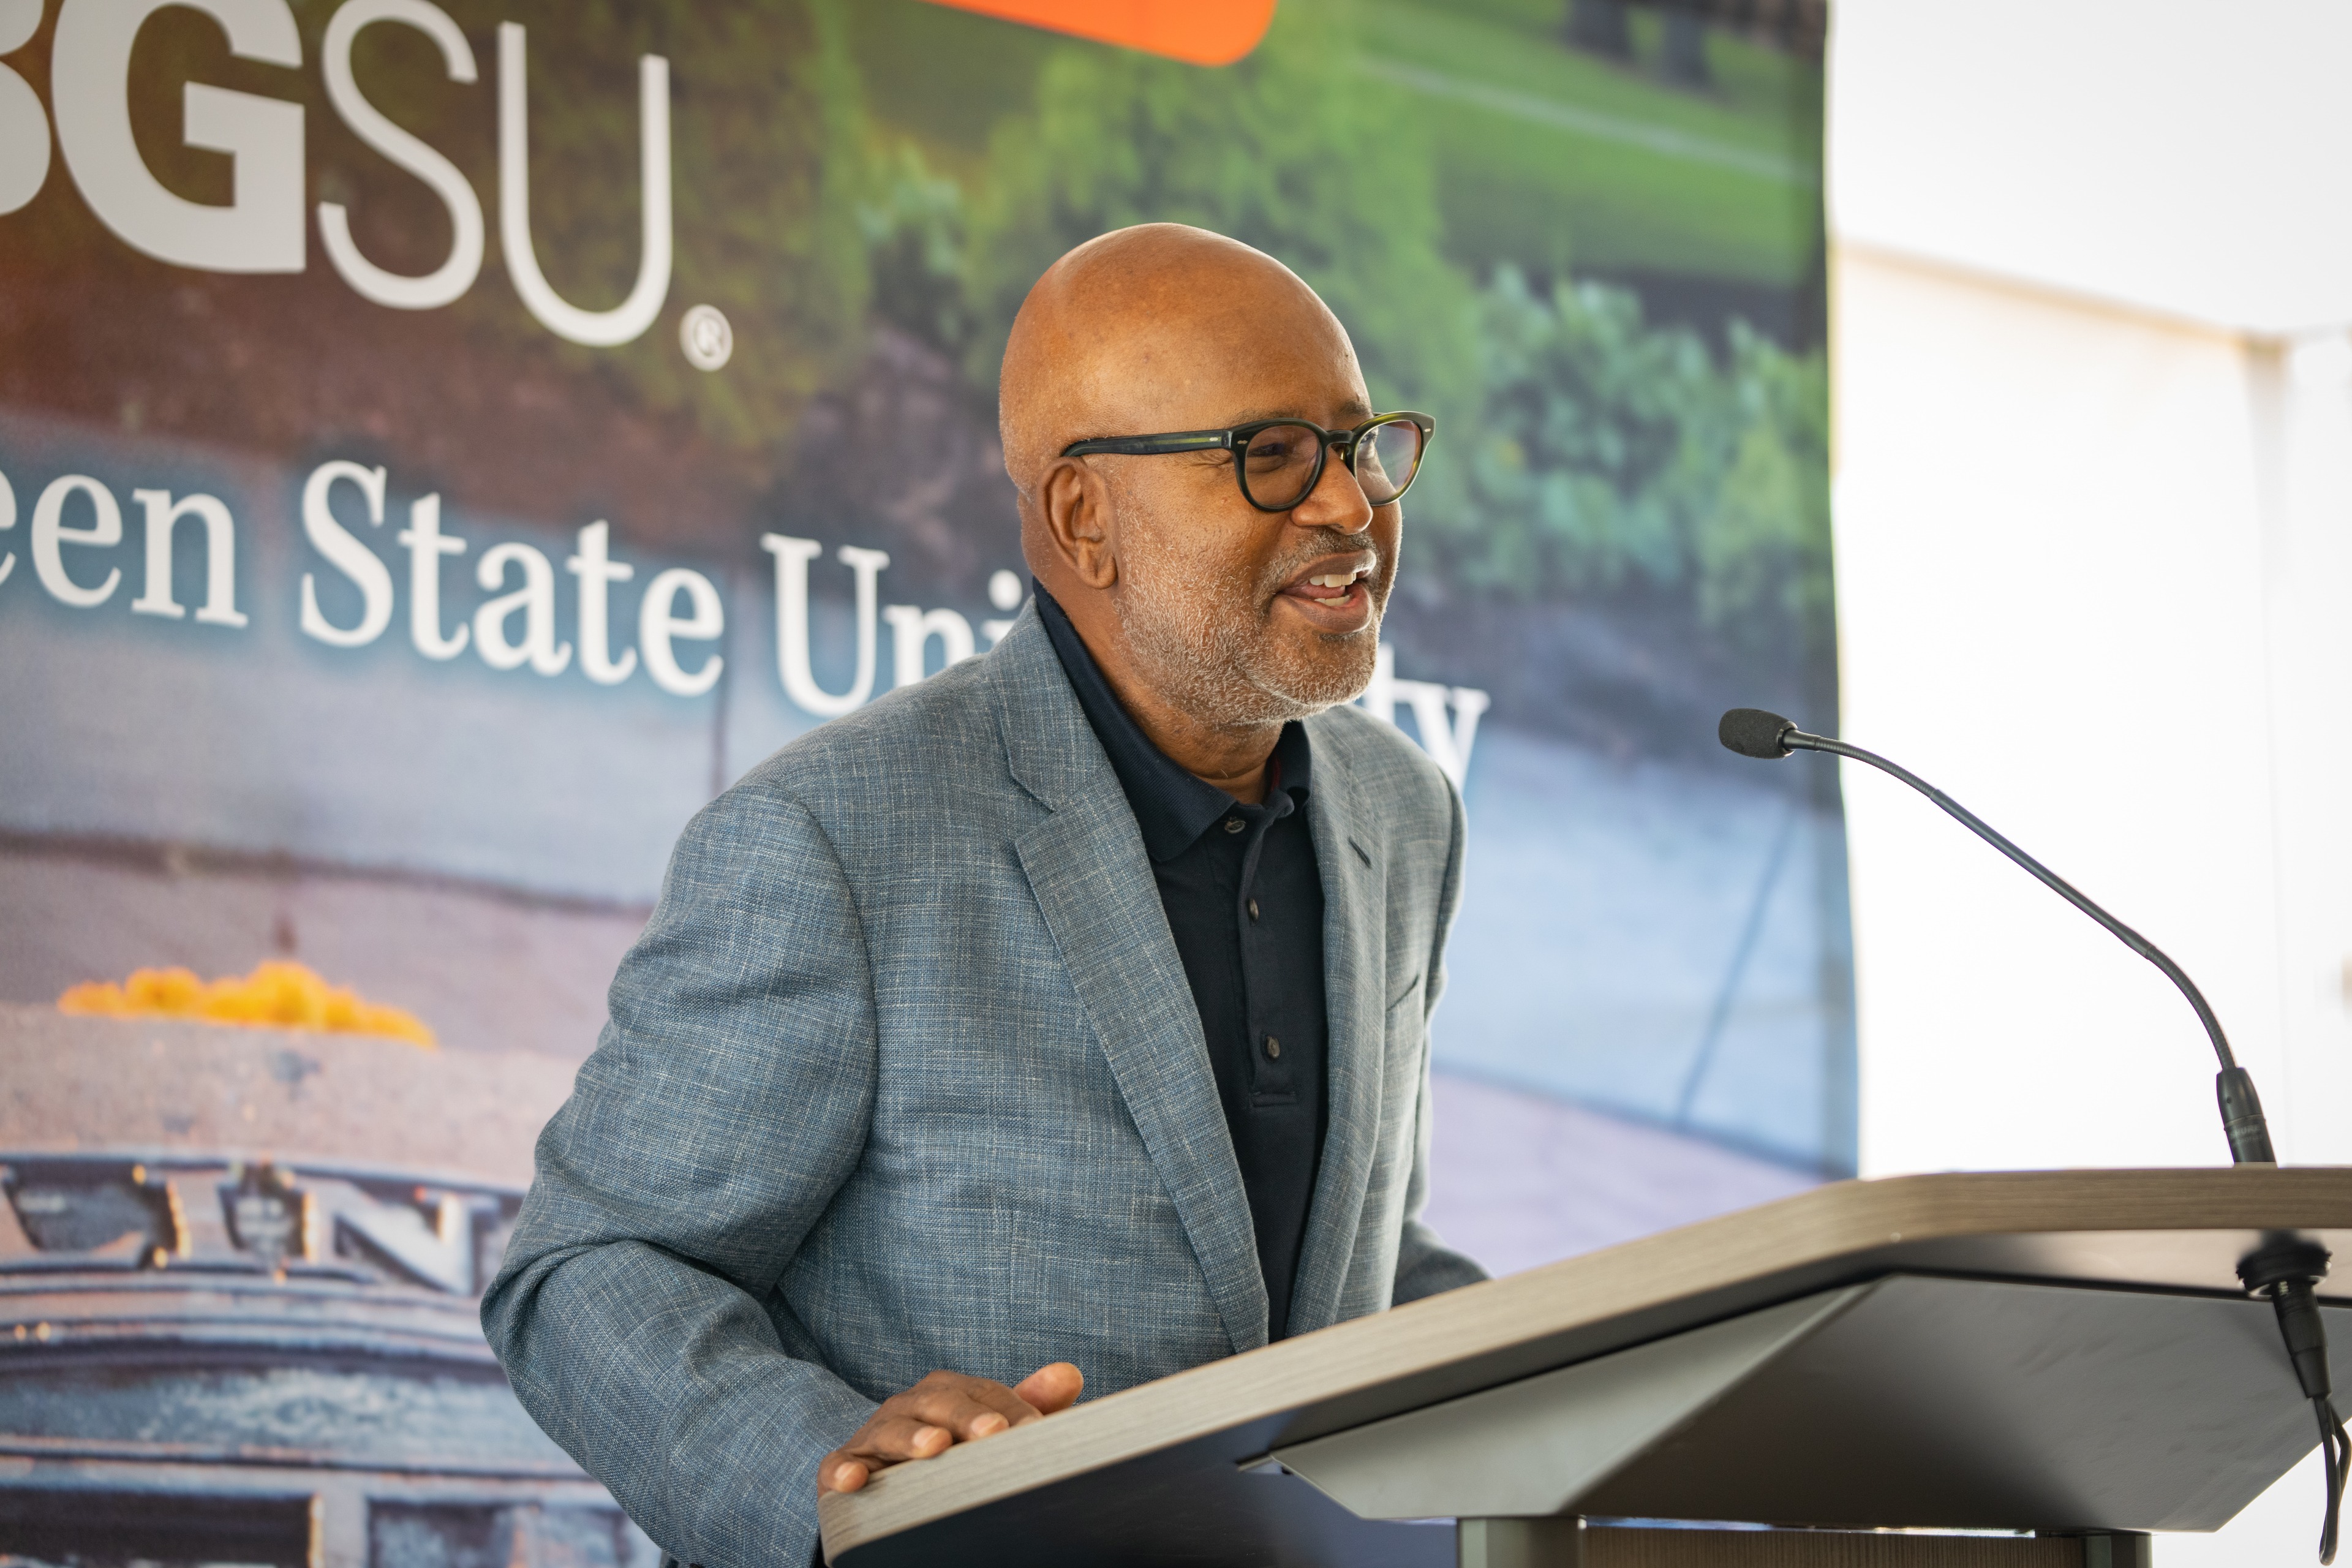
point(1075, 503)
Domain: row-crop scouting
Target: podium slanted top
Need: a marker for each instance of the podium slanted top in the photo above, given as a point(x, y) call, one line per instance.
point(1162, 1470)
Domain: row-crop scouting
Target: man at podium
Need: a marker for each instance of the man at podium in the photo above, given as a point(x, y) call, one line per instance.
point(1059, 1021)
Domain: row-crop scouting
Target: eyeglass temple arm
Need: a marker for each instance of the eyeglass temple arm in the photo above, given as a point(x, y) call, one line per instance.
point(1152, 445)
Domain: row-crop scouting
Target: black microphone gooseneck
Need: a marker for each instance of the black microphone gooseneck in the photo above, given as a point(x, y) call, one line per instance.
point(1752, 732)
point(2288, 1270)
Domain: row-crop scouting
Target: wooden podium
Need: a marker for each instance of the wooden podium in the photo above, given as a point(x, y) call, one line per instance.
point(2017, 1370)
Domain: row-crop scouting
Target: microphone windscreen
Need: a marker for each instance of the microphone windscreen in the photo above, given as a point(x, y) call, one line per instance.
point(1752, 732)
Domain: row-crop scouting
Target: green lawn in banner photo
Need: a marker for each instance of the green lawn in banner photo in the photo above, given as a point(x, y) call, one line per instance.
point(1551, 157)
point(1756, 84)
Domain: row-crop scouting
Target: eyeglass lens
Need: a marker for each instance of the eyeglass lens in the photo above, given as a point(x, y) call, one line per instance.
point(1279, 463)
point(1278, 466)
point(1385, 459)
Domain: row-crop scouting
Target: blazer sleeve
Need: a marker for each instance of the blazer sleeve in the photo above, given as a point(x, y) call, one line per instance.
point(726, 1101)
point(1427, 1265)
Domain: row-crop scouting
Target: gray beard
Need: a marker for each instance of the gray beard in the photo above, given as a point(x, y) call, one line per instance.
point(1222, 673)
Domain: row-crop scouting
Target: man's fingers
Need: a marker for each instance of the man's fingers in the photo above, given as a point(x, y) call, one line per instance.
point(888, 1439)
point(885, 1440)
point(1052, 1388)
point(970, 1407)
point(942, 1410)
point(839, 1473)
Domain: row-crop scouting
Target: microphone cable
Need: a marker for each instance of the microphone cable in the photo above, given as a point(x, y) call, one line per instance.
point(2336, 1447)
point(2288, 1270)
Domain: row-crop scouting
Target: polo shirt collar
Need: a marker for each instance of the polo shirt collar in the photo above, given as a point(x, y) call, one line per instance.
point(1172, 807)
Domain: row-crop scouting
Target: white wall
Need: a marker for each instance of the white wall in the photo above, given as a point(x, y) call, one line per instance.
point(2091, 270)
point(2177, 154)
point(2050, 598)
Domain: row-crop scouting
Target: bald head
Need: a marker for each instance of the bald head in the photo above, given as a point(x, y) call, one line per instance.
point(1158, 327)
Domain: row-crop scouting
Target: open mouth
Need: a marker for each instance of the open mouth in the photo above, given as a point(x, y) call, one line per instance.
point(1334, 586)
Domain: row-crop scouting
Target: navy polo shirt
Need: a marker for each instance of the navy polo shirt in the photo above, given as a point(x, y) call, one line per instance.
point(1244, 903)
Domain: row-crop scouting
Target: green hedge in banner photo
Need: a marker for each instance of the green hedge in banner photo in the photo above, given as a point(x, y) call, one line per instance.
point(1609, 453)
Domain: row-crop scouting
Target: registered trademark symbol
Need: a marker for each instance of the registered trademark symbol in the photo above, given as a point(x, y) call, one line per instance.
point(705, 337)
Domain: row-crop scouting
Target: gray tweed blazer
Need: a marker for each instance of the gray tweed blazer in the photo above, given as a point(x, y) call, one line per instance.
point(905, 1074)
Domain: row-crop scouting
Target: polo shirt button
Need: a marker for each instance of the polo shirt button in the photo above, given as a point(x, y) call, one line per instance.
point(1252, 909)
point(1232, 825)
point(1273, 1049)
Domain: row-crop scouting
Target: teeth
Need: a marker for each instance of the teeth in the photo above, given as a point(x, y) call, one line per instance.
point(1337, 580)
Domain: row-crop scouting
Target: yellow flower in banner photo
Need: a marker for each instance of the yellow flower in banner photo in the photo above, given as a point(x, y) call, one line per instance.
point(278, 994)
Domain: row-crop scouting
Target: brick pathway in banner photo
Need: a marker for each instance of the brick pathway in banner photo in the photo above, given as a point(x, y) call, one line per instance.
point(1519, 1179)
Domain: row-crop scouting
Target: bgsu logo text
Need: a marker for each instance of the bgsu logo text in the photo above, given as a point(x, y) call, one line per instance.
point(262, 228)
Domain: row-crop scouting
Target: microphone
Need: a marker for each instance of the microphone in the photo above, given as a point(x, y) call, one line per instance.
point(2287, 1271)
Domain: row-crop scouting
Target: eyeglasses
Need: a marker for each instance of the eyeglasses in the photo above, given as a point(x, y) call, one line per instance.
point(1279, 462)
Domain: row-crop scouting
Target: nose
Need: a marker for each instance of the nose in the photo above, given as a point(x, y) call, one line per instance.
point(1337, 502)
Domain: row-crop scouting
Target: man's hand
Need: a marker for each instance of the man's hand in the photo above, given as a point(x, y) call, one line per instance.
point(944, 1409)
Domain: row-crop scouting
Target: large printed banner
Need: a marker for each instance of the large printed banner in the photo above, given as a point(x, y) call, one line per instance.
point(443, 445)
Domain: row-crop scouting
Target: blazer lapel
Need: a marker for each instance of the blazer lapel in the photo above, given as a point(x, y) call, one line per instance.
point(1087, 866)
point(1347, 854)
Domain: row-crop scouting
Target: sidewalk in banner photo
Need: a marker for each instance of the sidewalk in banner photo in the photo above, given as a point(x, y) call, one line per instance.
point(1654, 937)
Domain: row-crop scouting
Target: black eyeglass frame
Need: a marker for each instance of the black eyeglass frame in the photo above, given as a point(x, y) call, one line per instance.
point(1237, 437)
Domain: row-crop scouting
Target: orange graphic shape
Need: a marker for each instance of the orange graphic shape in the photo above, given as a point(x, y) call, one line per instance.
point(1203, 32)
